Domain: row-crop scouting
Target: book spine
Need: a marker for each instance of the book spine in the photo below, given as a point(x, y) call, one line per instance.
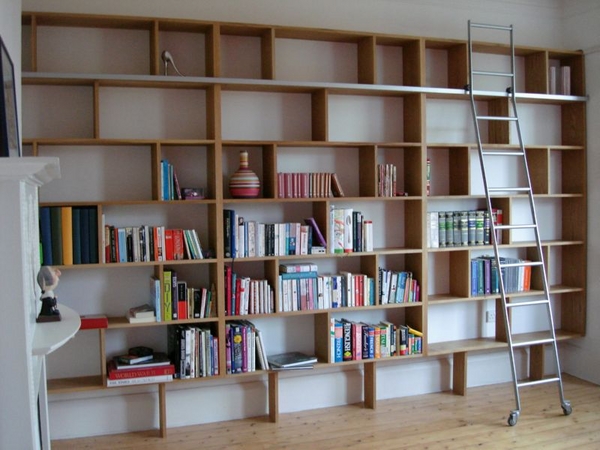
point(46, 235)
point(139, 380)
point(140, 373)
point(56, 229)
point(168, 307)
point(66, 215)
point(347, 342)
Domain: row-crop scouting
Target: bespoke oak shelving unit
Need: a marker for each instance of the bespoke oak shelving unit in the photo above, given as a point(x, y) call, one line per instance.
point(95, 94)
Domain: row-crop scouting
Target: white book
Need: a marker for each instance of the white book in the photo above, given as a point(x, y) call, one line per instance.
point(368, 235)
point(348, 230)
point(434, 232)
point(552, 80)
point(260, 240)
point(565, 79)
point(139, 380)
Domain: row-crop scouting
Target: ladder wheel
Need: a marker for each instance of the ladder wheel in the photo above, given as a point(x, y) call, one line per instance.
point(513, 418)
point(467, 87)
point(567, 409)
point(509, 90)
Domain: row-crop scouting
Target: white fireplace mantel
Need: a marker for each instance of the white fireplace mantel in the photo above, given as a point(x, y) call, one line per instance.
point(20, 179)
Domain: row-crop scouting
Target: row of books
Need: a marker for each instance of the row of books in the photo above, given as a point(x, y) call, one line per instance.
point(169, 182)
point(485, 279)
point(244, 349)
point(357, 340)
point(310, 291)
point(244, 295)
point(248, 238)
point(322, 291)
point(146, 243)
point(352, 232)
point(68, 235)
point(462, 228)
point(180, 301)
point(140, 365)
point(386, 180)
point(308, 185)
point(398, 287)
point(194, 351)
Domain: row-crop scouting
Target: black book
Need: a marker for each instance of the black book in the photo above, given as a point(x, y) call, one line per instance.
point(291, 359)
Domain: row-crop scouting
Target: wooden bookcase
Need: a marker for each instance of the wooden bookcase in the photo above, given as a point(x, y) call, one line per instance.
point(95, 94)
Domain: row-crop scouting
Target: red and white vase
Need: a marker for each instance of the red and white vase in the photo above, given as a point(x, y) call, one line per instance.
point(244, 183)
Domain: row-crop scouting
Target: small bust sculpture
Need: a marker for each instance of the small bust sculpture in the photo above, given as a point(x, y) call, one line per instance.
point(48, 278)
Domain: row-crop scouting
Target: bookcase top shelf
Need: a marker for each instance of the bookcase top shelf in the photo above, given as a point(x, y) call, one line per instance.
point(233, 84)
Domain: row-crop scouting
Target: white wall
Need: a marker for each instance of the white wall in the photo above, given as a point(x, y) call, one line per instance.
point(537, 22)
point(581, 31)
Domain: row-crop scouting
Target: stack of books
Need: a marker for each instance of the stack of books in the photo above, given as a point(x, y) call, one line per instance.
point(291, 361)
point(141, 365)
point(141, 314)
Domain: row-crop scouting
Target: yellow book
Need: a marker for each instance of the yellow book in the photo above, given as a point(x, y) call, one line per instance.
point(66, 213)
point(415, 332)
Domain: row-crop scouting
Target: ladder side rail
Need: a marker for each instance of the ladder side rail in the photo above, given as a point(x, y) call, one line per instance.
point(536, 229)
point(507, 325)
point(540, 253)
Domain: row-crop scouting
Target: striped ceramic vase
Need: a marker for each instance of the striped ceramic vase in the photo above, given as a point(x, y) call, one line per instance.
point(244, 183)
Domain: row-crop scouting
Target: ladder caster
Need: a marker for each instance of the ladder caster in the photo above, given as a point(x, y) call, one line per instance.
point(467, 87)
point(509, 90)
point(513, 418)
point(566, 407)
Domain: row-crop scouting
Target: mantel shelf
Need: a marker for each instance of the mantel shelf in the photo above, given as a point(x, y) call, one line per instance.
point(50, 336)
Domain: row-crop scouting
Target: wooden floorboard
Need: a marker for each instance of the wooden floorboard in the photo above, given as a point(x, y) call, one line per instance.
point(432, 421)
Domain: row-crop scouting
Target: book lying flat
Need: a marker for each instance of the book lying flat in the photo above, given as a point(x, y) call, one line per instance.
point(158, 359)
point(302, 367)
point(291, 359)
point(139, 380)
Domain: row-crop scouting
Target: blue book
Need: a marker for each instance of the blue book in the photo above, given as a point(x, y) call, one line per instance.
point(46, 235)
point(76, 218)
point(93, 234)
point(122, 238)
point(474, 277)
point(164, 172)
point(402, 276)
point(85, 232)
point(339, 339)
point(296, 275)
point(56, 229)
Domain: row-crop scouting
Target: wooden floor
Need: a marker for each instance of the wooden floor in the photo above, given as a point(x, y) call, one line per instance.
point(432, 421)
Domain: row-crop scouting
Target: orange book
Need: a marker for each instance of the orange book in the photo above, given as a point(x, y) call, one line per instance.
point(66, 213)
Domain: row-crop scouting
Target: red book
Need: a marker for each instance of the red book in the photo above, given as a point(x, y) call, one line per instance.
point(93, 321)
point(178, 244)
point(114, 374)
point(169, 255)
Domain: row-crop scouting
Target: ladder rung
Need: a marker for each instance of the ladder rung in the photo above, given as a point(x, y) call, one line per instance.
point(504, 118)
point(529, 303)
point(522, 264)
point(515, 227)
point(513, 189)
point(536, 342)
point(491, 27)
point(500, 153)
point(493, 74)
point(536, 382)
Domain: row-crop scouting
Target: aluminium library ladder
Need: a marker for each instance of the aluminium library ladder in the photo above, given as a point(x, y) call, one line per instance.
point(503, 264)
